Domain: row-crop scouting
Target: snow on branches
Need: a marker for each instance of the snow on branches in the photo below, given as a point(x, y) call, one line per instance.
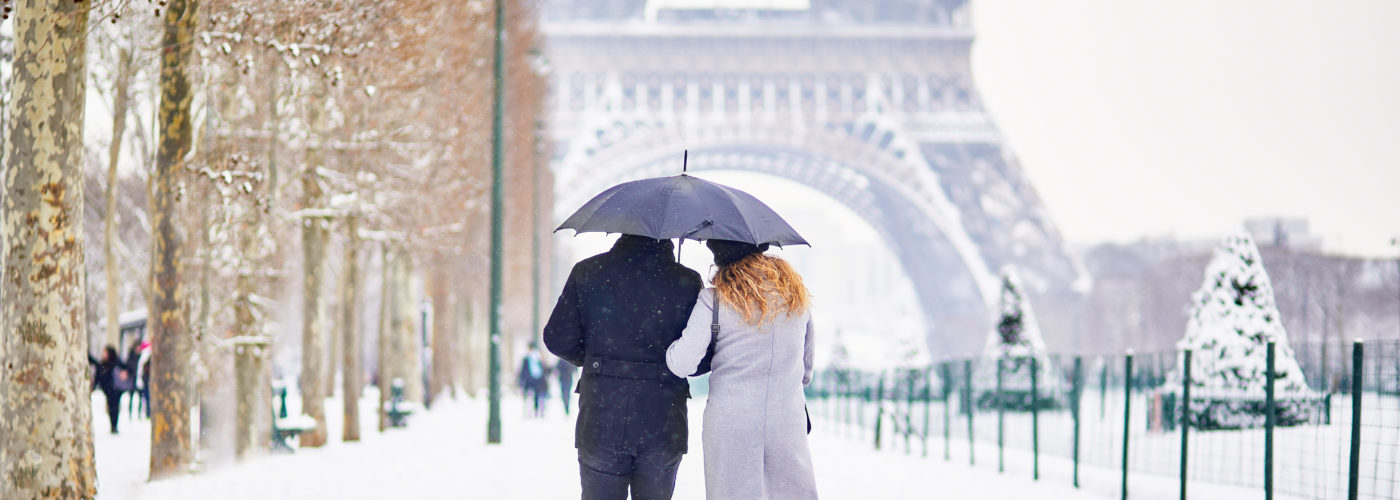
point(1233, 318)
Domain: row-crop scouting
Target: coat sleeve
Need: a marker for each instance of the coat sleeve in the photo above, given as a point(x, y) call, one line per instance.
point(684, 355)
point(563, 333)
point(809, 350)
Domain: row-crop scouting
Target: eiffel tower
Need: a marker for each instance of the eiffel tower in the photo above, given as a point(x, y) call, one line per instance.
point(868, 101)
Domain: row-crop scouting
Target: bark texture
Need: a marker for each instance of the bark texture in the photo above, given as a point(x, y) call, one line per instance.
point(172, 447)
point(313, 331)
point(45, 414)
point(253, 391)
point(350, 324)
point(386, 355)
point(314, 236)
point(250, 358)
point(443, 332)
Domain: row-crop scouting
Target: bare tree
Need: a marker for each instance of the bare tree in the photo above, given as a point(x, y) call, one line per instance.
point(45, 414)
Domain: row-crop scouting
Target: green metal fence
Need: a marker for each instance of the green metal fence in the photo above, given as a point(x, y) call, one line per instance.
point(1127, 415)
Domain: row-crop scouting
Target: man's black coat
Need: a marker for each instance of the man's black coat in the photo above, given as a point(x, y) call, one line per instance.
point(618, 313)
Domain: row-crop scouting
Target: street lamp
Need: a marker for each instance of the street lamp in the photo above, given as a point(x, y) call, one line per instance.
point(426, 353)
point(493, 419)
point(1395, 242)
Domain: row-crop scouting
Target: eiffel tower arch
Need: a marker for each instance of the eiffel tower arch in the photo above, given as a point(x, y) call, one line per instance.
point(868, 101)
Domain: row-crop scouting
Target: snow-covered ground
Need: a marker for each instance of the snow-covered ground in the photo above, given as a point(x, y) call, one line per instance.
point(442, 454)
point(1310, 461)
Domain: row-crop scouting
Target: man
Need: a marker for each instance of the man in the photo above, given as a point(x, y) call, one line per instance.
point(618, 313)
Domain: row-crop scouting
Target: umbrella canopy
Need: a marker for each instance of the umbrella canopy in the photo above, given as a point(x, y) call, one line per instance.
point(682, 207)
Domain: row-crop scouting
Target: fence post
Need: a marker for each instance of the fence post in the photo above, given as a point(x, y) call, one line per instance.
point(1269, 422)
point(1185, 422)
point(1035, 419)
point(879, 409)
point(969, 403)
point(848, 400)
point(928, 402)
point(1001, 418)
point(1103, 390)
point(1354, 469)
point(863, 389)
point(909, 412)
point(1127, 414)
point(1077, 388)
point(947, 410)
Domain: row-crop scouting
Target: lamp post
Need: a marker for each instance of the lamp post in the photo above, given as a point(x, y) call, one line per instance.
point(1395, 242)
point(426, 353)
point(493, 419)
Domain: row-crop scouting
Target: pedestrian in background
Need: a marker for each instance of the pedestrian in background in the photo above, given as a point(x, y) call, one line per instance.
point(533, 381)
point(565, 371)
point(112, 376)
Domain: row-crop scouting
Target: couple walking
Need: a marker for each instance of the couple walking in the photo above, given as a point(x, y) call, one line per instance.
point(638, 322)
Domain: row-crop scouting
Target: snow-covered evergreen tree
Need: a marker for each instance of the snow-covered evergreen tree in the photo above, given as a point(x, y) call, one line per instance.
point(1014, 340)
point(1233, 318)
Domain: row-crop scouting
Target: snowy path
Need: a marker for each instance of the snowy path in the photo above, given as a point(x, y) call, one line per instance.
point(442, 455)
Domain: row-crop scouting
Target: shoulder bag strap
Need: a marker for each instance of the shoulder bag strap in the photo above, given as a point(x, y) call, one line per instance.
point(714, 322)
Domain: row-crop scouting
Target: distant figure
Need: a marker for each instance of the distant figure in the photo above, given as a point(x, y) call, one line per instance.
point(533, 381)
point(143, 378)
point(137, 394)
point(110, 372)
point(565, 371)
point(755, 427)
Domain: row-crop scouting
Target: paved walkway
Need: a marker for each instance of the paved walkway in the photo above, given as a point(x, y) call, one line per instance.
point(442, 455)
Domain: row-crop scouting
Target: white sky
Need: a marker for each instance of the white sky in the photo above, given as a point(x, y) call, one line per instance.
point(1184, 117)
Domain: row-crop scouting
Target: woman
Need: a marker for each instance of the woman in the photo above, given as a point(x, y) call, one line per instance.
point(755, 428)
point(109, 369)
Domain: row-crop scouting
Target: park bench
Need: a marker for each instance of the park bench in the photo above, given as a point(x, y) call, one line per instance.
point(286, 428)
point(397, 409)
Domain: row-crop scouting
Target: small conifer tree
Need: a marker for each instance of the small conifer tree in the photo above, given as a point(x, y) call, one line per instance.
point(1233, 319)
point(1014, 342)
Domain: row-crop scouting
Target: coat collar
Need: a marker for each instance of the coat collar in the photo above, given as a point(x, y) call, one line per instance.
point(642, 244)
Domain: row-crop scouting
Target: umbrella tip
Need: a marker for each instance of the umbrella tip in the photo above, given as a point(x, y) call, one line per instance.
point(685, 160)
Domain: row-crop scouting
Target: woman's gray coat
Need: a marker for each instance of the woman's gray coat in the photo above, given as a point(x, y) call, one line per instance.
point(755, 428)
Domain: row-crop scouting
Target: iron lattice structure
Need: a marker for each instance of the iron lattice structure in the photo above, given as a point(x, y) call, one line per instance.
point(868, 101)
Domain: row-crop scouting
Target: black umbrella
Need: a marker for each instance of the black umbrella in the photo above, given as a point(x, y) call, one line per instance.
point(682, 207)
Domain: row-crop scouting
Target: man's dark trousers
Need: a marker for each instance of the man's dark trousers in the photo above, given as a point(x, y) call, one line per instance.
point(616, 316)
point(607, 474)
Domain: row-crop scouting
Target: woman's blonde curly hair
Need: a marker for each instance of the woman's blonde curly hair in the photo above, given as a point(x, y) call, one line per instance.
point(757, 283)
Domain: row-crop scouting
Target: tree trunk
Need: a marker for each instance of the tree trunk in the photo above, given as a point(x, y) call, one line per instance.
point(386, 336)
point(313, 331)
point(314, 236)
point(443, 329)
point(250, 356)
point(109, 227)
point(254, 397)
point(172, 449)
point(45, 412)
point(350, 331)
point(410, 349)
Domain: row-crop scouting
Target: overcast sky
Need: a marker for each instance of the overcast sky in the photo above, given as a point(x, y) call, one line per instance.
point(1183, 117)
